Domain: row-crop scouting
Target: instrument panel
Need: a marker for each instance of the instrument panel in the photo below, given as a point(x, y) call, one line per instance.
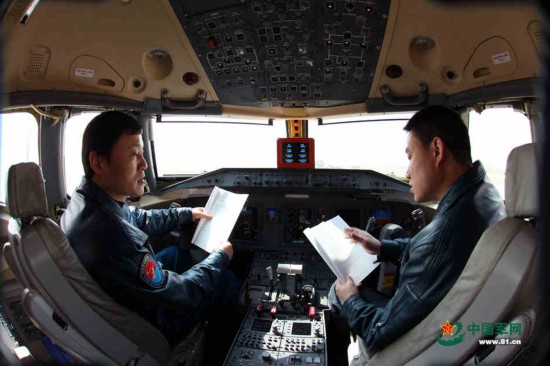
point(287, 53)
point(286, 292)
point(283, 202)
point(286, 280)
point(367, 181)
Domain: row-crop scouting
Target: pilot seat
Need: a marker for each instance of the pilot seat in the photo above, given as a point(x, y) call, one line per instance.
point(497, 285)
point(63, 300)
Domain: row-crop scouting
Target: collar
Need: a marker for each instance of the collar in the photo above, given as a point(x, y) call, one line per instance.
point(470, 178)
point(119, 209)
point(103, 199)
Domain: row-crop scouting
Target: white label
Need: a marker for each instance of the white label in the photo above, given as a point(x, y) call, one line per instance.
point(502, 58)
point(84, 73)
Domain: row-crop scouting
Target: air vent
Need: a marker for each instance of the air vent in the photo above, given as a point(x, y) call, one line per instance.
point(37, 62)
point(157, 64)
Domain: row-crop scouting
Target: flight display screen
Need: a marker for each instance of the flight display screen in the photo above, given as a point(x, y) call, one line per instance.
point(301, 329)
point(296, 220)
point(246, 227)
point(262, 325)
point(295, 153)
point(272, 215)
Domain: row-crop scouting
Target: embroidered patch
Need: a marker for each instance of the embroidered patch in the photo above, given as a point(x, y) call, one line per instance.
point(151, 272)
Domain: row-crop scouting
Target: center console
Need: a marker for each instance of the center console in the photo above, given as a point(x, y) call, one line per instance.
point(286, 321)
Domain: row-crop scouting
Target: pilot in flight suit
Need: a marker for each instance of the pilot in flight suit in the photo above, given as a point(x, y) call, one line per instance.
point(111, 240)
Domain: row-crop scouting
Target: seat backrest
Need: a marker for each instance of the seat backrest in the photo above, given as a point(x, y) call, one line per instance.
point(61, 297)
point(4, 221)
point(498, 284)
point(7, 226)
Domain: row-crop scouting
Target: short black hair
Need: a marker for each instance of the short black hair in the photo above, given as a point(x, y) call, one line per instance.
point(446, 124)
point(103, 132)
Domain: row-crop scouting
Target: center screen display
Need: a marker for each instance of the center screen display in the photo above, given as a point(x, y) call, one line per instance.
point(246, 227)
point(295, 153)
point(296, 220)
point(262, 325)
point(301, 329)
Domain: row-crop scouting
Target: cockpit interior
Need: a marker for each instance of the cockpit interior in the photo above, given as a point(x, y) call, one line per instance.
point(301, 66)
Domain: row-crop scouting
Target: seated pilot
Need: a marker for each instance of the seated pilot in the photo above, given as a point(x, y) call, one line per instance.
point(440, 169)
point(111, 238)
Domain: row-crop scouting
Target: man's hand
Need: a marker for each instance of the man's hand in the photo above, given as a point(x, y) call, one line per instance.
point(366, 240)
point(199, 213)
point(228, 249)
point(345, 290)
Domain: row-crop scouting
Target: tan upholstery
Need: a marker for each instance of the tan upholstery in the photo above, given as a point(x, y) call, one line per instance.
point(485, 292)
point(129, 324)
point(503, 355)
point(99, 330)
point(4, 222)
point(6, 260)
point(498, 283)
point(521, 182)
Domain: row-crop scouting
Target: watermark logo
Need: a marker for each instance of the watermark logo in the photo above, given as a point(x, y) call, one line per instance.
point(452, 331)
point(453, 334)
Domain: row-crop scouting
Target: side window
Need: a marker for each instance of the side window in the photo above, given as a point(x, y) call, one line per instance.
point(493, 134)
point(18, 143)
point(72, 136)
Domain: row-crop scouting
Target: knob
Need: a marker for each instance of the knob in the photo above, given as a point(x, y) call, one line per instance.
point(266, 356)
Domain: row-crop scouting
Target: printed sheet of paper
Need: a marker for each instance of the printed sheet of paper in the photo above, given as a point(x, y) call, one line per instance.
point(225, 207)
point(342, 255)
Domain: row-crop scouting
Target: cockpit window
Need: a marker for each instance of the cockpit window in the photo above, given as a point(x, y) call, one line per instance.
point(191, 145)
point(196, 146)
point(72, 135)
point(375, 142)
point(203, 144)
point(18, 143)
point(493, 134)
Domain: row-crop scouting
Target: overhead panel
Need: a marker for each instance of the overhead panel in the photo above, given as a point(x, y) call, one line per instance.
point(287, 53)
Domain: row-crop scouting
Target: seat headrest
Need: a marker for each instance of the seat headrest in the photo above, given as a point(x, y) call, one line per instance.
point(521, 182)
point(26, 191)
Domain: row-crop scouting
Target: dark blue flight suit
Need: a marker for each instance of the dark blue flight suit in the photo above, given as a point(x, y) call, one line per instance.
point(111, 240)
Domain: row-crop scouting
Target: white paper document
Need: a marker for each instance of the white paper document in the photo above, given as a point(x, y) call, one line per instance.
point(225, 207)
point(342, 255)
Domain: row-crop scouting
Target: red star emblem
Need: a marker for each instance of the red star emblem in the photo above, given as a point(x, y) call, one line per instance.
point(150, 270)
point(447, 328)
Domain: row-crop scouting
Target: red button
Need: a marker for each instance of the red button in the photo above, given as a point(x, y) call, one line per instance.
point(212, 43)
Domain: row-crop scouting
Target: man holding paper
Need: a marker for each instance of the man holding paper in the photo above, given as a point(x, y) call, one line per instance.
point(111, 239)
point(342, 258)
point(440, 169)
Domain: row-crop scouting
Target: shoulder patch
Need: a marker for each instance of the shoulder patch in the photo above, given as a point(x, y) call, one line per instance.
point(150, 271)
